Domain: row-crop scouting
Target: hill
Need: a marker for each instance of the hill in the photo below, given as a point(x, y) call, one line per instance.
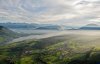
point(90, 27)
point(6, 35)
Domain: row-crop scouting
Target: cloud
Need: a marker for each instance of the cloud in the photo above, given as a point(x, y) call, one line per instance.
point(66, 12)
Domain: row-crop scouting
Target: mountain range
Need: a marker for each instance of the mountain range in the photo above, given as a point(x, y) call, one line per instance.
point(90, 27)
point(19, 25)
point(35, 26)
point(31, 26)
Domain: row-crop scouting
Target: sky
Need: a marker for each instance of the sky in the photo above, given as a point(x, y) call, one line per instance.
point(65, 12)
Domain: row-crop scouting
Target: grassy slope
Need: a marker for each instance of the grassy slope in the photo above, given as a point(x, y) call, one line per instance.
point(53, 50)
point(2, 39)
point(6, 35)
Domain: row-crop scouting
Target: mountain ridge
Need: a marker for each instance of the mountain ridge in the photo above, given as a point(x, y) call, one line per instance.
point(90, 27)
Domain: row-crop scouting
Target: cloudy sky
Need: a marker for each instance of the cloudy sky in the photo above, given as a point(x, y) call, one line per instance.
point(67, 12)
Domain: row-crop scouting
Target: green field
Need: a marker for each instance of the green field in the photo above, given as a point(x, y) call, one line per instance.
point(2, 39)
point(65, 49)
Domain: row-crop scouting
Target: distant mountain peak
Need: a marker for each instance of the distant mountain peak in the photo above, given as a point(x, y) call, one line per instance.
point(91, 27)
point(92, 24)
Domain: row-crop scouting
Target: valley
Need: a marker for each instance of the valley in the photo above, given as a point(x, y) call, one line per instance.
point(62, 47)
point(49, 31)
